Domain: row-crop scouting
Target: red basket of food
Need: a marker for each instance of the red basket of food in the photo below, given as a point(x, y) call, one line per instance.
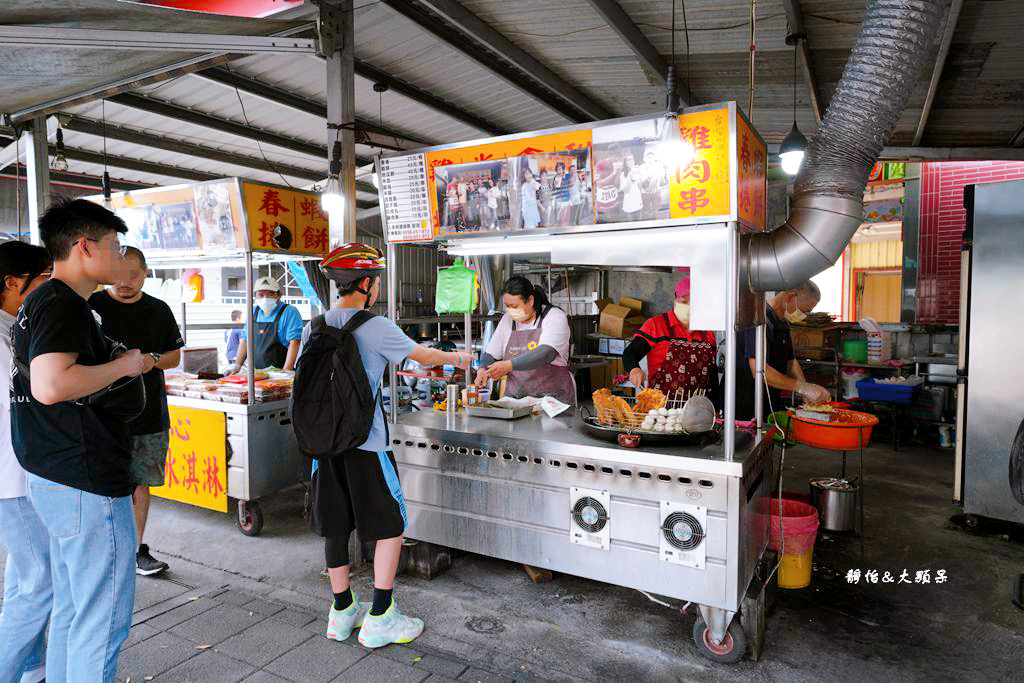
point(840, 430)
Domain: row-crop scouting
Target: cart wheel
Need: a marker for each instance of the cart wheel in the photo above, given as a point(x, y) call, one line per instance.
point(250, 517)
point(730, 651)
point(971, 521)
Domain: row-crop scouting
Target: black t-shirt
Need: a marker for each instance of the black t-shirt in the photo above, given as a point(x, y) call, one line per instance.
point(147, 325)
point(779, 352)
point(67, 443)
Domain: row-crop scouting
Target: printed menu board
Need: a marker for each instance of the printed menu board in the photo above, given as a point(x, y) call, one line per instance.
point(403, 198)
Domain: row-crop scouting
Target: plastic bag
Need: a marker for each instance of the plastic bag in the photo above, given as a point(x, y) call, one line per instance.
point(456, 289)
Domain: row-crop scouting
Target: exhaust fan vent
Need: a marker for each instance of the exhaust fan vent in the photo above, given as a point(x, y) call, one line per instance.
point(589, 512)
point(681, 540)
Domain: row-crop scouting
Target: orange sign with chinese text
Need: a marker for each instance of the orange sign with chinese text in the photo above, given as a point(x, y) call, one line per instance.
point(752, 158)
point(703, 188)
point(283, 220)
point(196, 470)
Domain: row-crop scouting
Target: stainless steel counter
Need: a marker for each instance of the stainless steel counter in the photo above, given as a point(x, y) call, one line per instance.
point(565, 435)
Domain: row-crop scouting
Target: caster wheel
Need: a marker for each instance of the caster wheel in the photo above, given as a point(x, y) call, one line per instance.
point(971, 522)
point(729, 651)
point(250, 517)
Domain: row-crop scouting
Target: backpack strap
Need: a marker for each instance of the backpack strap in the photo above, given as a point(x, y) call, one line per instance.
point(317, 325)
point(357, 321)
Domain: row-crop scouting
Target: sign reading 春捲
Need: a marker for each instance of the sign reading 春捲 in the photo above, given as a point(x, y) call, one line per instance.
point(196, 470)
point(284, 220)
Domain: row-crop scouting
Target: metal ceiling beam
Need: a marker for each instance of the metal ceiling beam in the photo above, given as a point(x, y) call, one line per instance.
point(89, 157)
point(104, 39)
point(940, 61)
point(479, 41)
point(148, 77)
point(939, 153)
point(1018, 138)
point(80, 180)
point(650, 61)
point(180, 113)
point(81, 124)
point(366, 132)
point(427, 99)
point(795, 19)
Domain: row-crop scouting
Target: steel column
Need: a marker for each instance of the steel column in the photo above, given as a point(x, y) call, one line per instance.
point(731, 304)
point(337, 42)
point(37, 158)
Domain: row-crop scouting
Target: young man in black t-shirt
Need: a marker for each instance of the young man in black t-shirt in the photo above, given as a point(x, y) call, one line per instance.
point(77, 455)
point(142, 322)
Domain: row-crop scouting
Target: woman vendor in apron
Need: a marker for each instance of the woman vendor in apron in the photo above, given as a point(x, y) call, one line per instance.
point(530, 346)
point(678, 358)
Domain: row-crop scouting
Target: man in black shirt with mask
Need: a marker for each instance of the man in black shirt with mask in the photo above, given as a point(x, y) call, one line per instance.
point(142, 322)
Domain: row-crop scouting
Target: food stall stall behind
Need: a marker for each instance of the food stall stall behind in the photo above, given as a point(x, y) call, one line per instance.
point(230, 437)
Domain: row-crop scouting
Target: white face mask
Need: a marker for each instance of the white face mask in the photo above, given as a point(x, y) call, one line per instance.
point(517, 314)
point(267, 305)
point(682, 312)
point(796, 316)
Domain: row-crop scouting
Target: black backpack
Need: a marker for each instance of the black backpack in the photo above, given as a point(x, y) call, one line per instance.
point(332, 405)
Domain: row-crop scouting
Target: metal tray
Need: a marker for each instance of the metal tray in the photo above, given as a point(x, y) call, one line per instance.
point(498, 413)
point(609, 433)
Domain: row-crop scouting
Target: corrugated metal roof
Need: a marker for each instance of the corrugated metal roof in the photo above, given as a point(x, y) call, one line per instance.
point(980, 100)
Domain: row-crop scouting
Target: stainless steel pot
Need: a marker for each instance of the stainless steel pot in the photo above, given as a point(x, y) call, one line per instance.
point(836, 501)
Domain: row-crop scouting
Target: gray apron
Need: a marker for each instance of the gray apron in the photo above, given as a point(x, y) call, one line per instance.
point(547, 380)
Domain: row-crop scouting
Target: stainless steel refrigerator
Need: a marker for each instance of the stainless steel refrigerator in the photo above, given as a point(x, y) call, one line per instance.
point(989, 474)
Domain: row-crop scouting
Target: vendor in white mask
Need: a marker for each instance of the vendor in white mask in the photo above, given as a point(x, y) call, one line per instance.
point(530, 346)
point(278, 330)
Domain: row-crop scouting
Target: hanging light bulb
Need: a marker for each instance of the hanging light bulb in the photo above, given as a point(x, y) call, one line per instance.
point(673, 150)
point(107, 204)
point(332, 199)
point(794, 145)
point(60, 162)
point(791, 153)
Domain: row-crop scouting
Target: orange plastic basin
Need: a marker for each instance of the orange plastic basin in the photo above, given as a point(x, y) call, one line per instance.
point(848, 430)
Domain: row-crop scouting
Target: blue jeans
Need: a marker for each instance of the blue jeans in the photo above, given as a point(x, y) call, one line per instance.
point(28, 593)
point(92, 558)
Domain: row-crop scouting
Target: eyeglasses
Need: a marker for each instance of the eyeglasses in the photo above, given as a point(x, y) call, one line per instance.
point(122, 249)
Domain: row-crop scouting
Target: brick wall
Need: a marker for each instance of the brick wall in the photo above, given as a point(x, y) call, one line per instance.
point(942, 224)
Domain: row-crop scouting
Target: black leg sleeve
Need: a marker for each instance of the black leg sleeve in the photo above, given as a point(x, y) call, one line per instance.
point(336, 552)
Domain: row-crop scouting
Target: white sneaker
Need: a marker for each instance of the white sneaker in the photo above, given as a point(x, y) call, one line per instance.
point(341, 623)
point(390, 627)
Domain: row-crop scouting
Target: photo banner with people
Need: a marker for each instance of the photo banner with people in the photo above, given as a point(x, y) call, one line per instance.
point(635, 173)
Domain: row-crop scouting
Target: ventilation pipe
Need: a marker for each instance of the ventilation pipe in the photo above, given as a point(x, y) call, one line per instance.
point(828, 200)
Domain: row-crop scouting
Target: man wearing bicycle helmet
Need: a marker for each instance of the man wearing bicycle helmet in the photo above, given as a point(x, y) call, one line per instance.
point(359, 489)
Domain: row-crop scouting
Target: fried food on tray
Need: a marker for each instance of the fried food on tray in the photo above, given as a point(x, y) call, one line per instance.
point(613, 410)
point(648, 400)
point(603, 406)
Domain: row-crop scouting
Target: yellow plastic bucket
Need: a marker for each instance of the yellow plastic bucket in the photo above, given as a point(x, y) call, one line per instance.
point(795, 570)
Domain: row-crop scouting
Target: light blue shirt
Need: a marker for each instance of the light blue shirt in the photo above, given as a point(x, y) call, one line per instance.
point(289, 327)
point(380, 341)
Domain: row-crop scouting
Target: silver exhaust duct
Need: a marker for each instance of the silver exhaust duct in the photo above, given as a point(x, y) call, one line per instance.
point(828, 198)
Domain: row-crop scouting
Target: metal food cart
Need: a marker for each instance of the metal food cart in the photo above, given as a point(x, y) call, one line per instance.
point(222, 451)
point(684, 521)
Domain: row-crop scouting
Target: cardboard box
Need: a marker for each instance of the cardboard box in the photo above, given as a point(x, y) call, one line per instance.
point(635, 304)
point(619, 321)
point(818, 343)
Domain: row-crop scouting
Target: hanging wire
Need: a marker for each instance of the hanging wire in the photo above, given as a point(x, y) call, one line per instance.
point(794, 79)
point(17, 178)
point(674, 32)
point(686, 35)
point(103, 120)
point(258, 145)
point(753, 54)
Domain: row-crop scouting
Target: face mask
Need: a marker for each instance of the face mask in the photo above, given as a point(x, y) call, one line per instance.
point(267, 305)
point(682, 312)
point(796, 316)
point(517, 314)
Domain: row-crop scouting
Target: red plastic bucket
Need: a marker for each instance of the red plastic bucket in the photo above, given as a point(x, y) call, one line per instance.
point(797, 525)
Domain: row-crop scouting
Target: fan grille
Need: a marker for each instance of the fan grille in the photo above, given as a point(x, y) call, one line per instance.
point(589, 514)
point(682, 531)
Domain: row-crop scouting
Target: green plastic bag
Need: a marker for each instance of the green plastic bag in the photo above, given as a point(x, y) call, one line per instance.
point(456, 289)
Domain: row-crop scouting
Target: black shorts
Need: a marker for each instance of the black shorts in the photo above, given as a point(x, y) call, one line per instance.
point(358, 490)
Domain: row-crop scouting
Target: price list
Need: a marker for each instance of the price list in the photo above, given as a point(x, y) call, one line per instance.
point(404, 200)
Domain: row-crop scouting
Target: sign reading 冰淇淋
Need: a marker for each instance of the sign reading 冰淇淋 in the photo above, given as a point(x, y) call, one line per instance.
point(614, 172)
point(196, 470)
